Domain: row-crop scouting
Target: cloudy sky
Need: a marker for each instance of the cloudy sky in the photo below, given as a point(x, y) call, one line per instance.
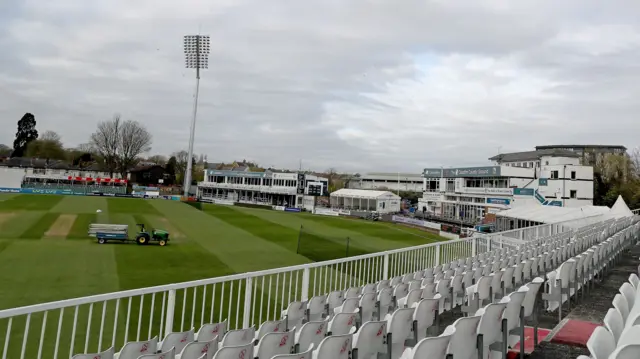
point(359, 85)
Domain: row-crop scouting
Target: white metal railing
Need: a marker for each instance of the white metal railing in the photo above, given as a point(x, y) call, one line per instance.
point(529, 233)
point(90, 324)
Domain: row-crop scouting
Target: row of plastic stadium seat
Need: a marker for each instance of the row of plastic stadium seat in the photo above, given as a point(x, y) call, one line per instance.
point(619, 338)
point(395, 317)
point(76, 187)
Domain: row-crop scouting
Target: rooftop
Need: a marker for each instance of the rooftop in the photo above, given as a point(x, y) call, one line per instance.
point(532, 155)
point(543, 147)
point(361, 193)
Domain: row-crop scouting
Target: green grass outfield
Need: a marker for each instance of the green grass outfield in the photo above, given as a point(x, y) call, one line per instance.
point(45, 254)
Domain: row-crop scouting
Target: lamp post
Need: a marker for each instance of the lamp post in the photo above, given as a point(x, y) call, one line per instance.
point(196, 53)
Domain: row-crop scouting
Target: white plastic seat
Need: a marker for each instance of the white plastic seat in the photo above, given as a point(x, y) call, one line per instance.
point(334, 347)
point(428, 291)
point(385, 301)
point(512, 313)
point(334, 300)
point(491, 324)
point(601, 343)
point(629, 293)
point(424, 316)
point(559, 287)
point(400, 291)
point(367, 306)
point(352, 292)
point(478, 294)
point(107, 354)
point(316, 308)
point(414, 296)
point(457, 290)
point(370, 339)
point(304, 355)
point(235, 352)
point(196, 350)
point(395, 281)
point(532, 294)
point(176, 340)
point(311, 334)
point(273, 344)
point(210, 331)
point(343, 323)
point(620, 303)
point(132, 350)
point(464, 339)
point(507, 280)
point(496, 285)
point(634, 280)
point(626, 352)
point(294, 314)
point(435, 347)
point(350, 305)
point(629, 336)
point(399, 327)
point(240, 337)
point(270, 326)
point(614, 323)
point(169, 354)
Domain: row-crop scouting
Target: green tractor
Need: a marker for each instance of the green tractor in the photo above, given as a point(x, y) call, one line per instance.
point(159, 235)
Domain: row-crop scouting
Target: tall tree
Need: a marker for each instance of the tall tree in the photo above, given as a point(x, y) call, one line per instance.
point(48, 146)
point(170, 169)
point(134, 140)
point(26, 133)
point(181, 164)
point(120, 143)
point(158, 159)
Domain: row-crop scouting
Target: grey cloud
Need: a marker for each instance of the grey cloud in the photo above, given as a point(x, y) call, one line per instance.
point(334, 83)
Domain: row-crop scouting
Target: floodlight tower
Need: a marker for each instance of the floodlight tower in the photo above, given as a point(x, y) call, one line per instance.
point(196, 52)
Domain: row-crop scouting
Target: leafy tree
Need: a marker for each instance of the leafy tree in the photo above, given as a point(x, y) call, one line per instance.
point(48, 146)
point(26, 133)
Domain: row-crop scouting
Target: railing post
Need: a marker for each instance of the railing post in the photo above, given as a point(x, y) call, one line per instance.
point(437, 255)
point(385, 267)
point(305, 284)
point(474, 246)
point(171, 308)
point(248, 289)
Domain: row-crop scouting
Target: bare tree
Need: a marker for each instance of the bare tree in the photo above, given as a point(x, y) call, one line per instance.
point(635, 161)
point(50, 136)
point(105, 142)
point(134, 140)
point(120, 143)
point(158, 159)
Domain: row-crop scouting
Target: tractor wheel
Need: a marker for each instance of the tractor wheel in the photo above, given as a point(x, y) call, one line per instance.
point(142, 239)
point(102, 240)
point(162, 243)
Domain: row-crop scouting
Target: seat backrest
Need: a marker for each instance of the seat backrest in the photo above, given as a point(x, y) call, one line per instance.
point(177, 340)
point(235, 352)
point(614, 323)
point(629, 292)
point(490, 325)
point(238, 337)
point(532, 294)
point(483, 287)
point(295, 314)
point(385, 297)
point(414, 297)
point(195, 350)
point(311, 334)
point(132, 350)
point(304, 355)
point(512, 313)
point(629, 336)
point(107, 354)
point(275, 343)
point(367, 306)
point(316, 307)
point(169, 354)
point(619, 302)
point(463, 340)
point(371, 339)
point(335, 347)
point(342, 323)
point(210, 331)
point(634, 280)
point(401, 324)
point(425, 312)
point(352, 292)
point(401, 290)
point(601, 343)
point(429, 290)
point(270, 326)
point(434, 347)
point(626, 352)
point(335, 299)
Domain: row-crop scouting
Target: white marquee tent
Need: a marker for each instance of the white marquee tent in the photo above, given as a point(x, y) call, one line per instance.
point(365, 200)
